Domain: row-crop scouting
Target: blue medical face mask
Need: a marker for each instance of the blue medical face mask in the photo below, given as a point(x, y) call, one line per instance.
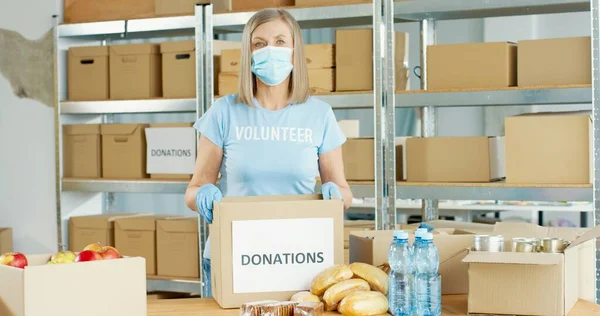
point(272, 65)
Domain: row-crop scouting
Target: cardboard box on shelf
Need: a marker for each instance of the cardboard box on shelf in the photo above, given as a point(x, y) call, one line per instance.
point(247, 5)
point(178, 69)
point(136, 237)
point(87, 73)
point(321, 80)
point(242, 250)
point(218, 47)
point(455, 159)
point(372, 247)
point(85, 230)
point(359, 159)
point(177, 247)
point(6, 240)
point(82, 153)
point(44, 289)
point(123, 151)
point(78, 11)
point(317, 3)
point(170, 151)
point(176, 7)
point(350, 128)
point(559, 61)
point(228, 83)
point(524, 283)
point(401, 141)
point(354, 60)
point(472, 65)
point(135, 71)
point(319, 56)
point(550, 148)
point(230, 60)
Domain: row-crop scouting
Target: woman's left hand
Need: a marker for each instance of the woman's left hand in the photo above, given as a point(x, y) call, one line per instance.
point(331, 191)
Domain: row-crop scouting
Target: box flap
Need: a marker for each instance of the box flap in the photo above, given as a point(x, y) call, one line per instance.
point(144, 223)
point(135, 49)
point(463, 226)
point(180, 225)
point(82, 129)
point(89, 51)
point(514, 258)
point(119, 129)
point(590, 234)
point(178, 47)
point(273, 198)
point(511, 230)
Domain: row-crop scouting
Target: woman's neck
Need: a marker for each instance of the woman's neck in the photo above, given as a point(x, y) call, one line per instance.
point(273, 97)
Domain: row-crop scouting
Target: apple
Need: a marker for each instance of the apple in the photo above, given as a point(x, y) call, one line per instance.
point(63, 257)
point(14, 259)
point(93, 247)
point(88, 255)
point(108, 252)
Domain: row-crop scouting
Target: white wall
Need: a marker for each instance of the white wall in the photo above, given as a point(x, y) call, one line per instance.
point(27, 190)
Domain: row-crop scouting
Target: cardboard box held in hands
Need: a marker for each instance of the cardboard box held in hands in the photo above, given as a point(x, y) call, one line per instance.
point(372, 247)
point(533, 283)
point(272, 247)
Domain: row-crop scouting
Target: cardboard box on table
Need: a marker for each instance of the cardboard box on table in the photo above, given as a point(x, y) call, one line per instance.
point(372, 247)
point(455, 159)
point(272, 247)
point(123, 151)
point(135, 71)
point(551, 148)
point(533, 283)
point(557, 61)
point(472, 65)
point(87, 73)
point(136, 236)
point(170, 150)
point(6, 240)
point(82, 153)
point(177, 247)
point(96, 288)
point(176, 7)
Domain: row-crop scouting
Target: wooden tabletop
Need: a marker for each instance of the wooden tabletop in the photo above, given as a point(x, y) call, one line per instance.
point(451, 305)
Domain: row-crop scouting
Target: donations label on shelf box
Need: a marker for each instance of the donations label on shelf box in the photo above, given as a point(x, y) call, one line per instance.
point(271, 247)
point(171, 149)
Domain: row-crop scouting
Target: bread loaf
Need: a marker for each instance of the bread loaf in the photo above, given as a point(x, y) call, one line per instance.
point(309, 309)
point(375, 276)
point(364, 303)
point(331, 308)
point(305, 296)
point(329, 277)
point(338, 291)
point(253, 308)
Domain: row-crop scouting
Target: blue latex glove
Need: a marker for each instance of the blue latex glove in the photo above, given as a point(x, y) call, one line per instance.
point(331, 191)
point(206, 196)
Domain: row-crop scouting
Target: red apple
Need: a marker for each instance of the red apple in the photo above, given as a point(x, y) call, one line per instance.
point(14, 259)
point(88, 255)
point(93, 247)
point(108, 252)
point(63, 257)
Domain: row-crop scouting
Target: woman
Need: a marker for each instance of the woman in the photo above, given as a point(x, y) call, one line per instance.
point(272, 138)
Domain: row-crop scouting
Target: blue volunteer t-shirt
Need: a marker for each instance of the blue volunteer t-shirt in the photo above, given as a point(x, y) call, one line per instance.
point(270, 152)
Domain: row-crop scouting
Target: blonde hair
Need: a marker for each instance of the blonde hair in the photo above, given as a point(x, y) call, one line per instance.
point(298, 88)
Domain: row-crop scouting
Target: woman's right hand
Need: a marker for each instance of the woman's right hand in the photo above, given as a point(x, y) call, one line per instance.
point(205, 198)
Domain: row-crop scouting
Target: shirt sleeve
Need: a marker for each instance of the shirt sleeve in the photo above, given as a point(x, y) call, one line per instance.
point(212, 124)
point(333, 137)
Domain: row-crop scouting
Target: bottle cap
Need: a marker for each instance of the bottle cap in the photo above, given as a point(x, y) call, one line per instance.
point(400, 234)
point(419, 232)
point(427, 236)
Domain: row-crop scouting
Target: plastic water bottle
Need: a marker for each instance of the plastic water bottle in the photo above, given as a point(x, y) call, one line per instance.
point(428, 283)
point(418, 235)
point(401, 285)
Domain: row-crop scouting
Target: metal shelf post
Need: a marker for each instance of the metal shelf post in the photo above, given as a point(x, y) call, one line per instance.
point(594, 16)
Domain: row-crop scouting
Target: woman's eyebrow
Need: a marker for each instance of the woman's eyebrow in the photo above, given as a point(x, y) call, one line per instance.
point(258, 38)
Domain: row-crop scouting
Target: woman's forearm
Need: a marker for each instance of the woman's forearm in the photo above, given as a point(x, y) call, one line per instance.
point(346, 196)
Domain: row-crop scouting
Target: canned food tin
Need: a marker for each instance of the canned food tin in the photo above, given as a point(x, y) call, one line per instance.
point(524, 246)
point(554, 245)
point(534, 241)
point(488, 243)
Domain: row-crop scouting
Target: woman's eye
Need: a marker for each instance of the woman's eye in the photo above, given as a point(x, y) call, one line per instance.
point(280, 42)
point(259, 44)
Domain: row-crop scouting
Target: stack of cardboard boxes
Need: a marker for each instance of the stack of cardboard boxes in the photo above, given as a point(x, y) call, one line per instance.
point(168, 244)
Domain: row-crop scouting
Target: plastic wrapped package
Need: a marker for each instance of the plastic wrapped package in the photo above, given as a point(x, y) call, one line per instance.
point(278, 309)
point(253, 308)
point(309, 309)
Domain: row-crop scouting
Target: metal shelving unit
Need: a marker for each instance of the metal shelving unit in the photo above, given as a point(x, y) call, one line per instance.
point(381, 14)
